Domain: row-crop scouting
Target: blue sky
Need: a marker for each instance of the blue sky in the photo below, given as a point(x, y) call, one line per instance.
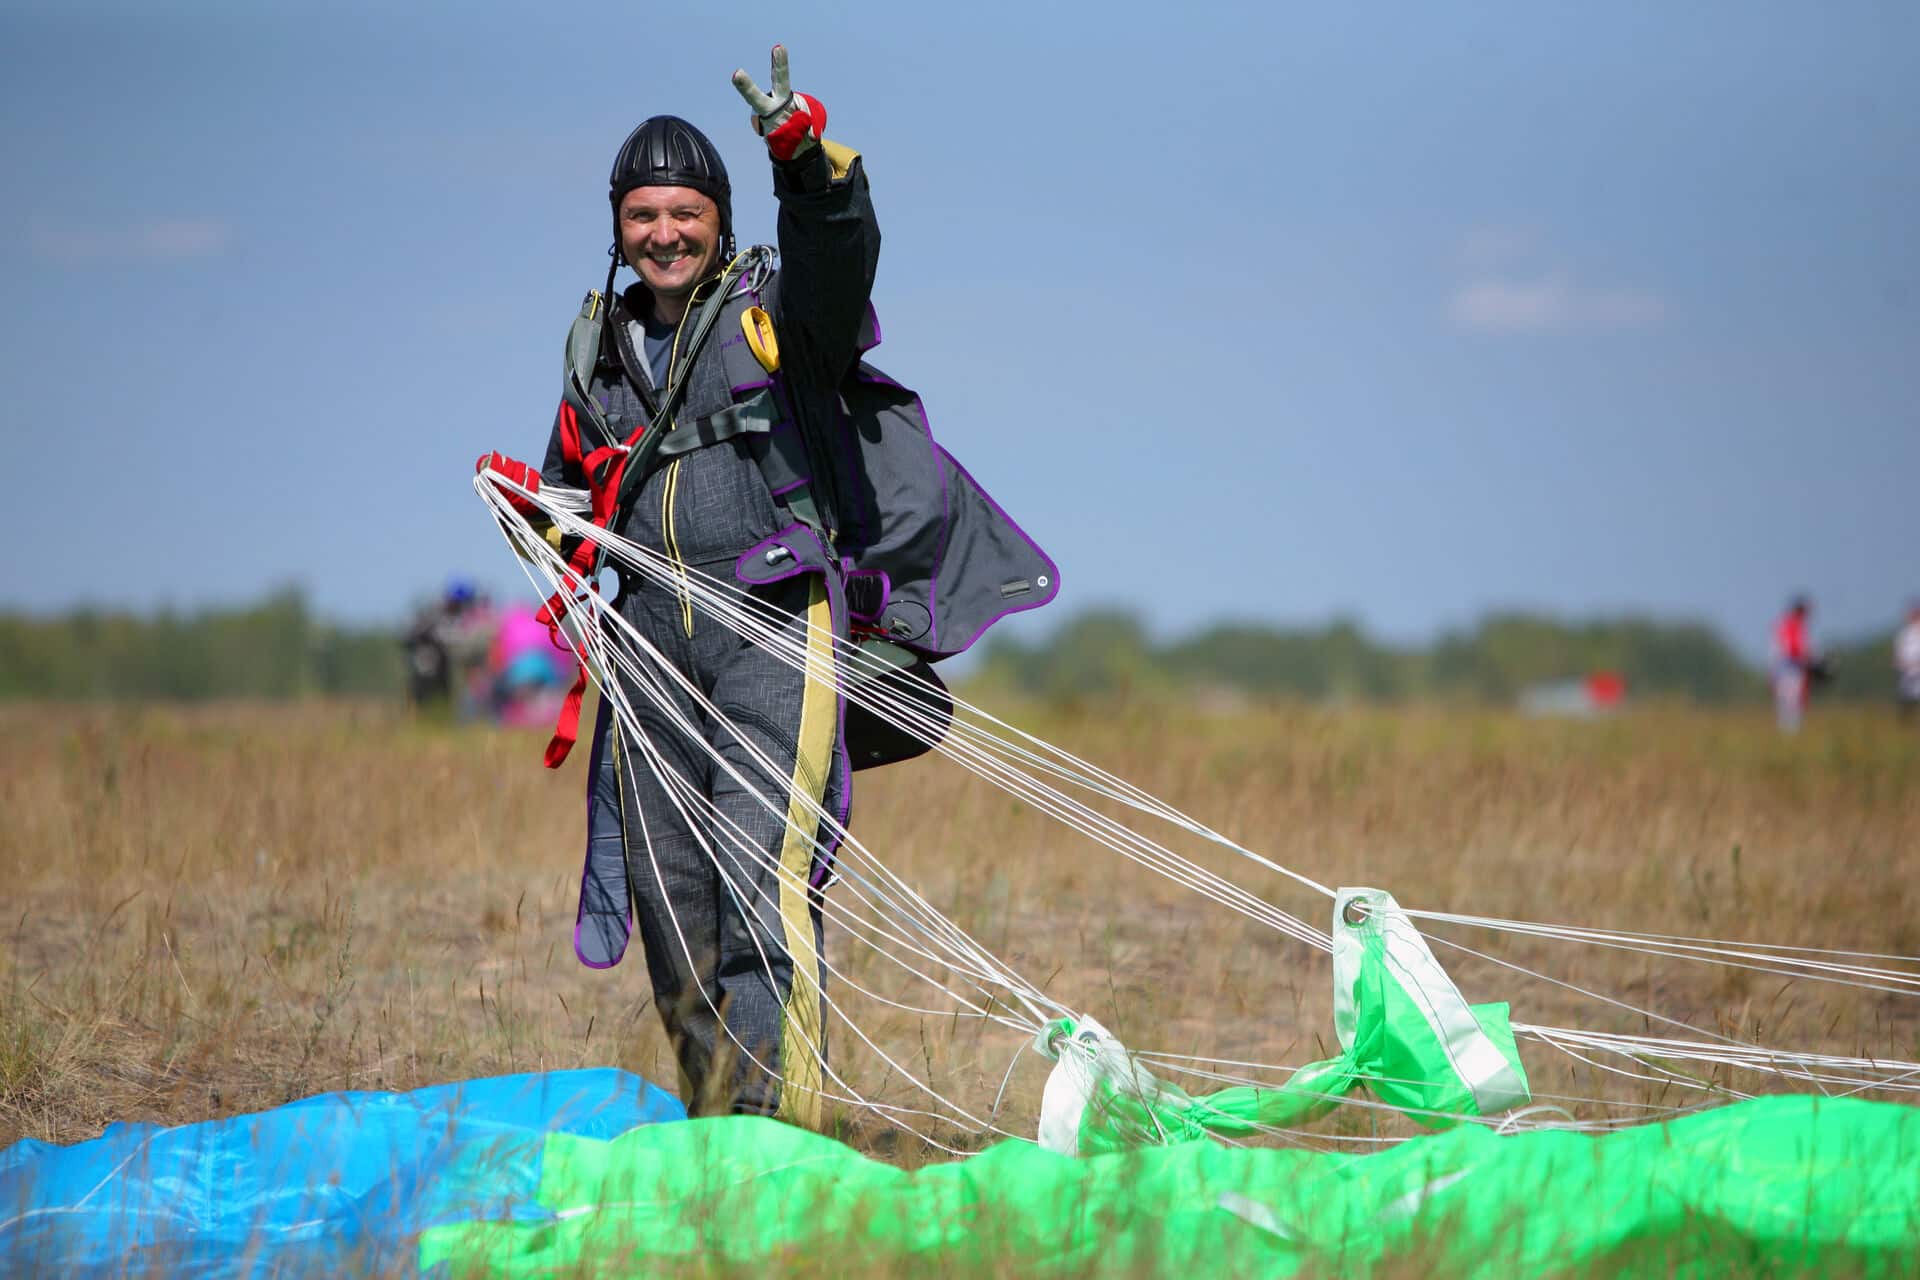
point(1252, 311)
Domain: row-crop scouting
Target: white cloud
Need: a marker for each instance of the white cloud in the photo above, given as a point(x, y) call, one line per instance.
point(1551, 303)
point(1512, 281)
point(159, 240)
point(1497, 246)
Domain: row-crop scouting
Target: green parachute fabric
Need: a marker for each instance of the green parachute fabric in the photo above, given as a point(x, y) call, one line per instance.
point(1405, 1032)
point(1774, 1186)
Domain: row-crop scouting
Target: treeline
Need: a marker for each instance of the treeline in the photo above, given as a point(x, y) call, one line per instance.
point(1109, 652)
point(275, 649)
point(279, 649)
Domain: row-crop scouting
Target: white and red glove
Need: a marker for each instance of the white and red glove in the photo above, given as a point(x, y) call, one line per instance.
point(520, 473)
point(790, 122)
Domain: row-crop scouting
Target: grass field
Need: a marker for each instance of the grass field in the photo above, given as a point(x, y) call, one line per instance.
point(217, 910)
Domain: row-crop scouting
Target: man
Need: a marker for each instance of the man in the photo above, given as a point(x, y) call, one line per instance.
point(721, 416)
point(1906, 660)
point(734, 959)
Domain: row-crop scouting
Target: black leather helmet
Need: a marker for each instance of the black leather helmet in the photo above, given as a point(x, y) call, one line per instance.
point(666, 151)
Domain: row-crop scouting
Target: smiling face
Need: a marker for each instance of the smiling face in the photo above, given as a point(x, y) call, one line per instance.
point(671, 236)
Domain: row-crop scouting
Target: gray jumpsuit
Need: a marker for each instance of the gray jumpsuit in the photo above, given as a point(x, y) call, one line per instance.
point(733, 950)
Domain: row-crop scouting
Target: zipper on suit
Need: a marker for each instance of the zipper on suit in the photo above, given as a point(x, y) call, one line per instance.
point(685, 584)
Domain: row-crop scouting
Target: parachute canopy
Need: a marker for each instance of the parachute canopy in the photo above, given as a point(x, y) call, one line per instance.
point(530, 1175)
point(1785, 1185)
point(337, 1184)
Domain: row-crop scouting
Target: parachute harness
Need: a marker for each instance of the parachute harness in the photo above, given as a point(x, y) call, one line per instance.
point(608, 467)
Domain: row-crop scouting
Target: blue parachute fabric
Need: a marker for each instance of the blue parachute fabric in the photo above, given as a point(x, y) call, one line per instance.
point(338, 1184)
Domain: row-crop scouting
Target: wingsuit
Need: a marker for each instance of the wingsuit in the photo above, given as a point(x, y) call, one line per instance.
point(804, 478)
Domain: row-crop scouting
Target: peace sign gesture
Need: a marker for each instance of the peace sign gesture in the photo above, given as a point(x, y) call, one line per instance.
point(790, 122)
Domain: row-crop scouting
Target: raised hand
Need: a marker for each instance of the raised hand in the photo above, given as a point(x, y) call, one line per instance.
point(790, 122)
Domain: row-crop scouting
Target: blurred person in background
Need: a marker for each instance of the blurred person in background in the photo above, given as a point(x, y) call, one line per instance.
point(528, 674)
point(446, 642)
point(1906, 661)
point(1796, 666)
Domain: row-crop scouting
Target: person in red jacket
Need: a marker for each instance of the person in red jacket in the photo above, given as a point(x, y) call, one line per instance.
point(1795, 663)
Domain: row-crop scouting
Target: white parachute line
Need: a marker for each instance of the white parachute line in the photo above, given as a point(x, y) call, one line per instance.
point(1732, 1056)
point(1643, 1013)
point(1562, 983)
point(727, 606)
point(681, 791)
point(1791, 1064)
point(648, 682)
point(651, 686)
point(1117, 789)
point(1494, 922)
point(1665, 1078)
point(1905, 1081)
point(860, 928)
point(1045, 803)
point(901, 710)
point(1062, 765)
point(977, 750)
point(1744, 1052)
point(657, 762)
point(951, 962)
point(709, 603)
point(837, 906)
point(931, 922)
point(1732, 955)
point(854, 853)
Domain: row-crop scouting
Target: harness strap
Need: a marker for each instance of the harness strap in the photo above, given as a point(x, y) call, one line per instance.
point(642, 451)
point(603, 469)
point(611, 472)
point(583, 352)
point(754, 416)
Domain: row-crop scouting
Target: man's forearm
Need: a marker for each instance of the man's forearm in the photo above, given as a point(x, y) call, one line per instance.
point(829, 239)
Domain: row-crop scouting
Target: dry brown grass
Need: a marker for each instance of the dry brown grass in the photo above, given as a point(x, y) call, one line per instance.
point(218, 910)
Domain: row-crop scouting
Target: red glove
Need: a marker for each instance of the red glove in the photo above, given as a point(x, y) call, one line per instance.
point(806, 121)
point(790, 122)
point(518, 472)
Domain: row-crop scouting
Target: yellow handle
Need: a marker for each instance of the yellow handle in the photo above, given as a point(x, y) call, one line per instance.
point(758, 326)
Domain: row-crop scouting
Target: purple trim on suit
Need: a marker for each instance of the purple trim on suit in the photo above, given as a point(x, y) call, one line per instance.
point(581, 956)
point(601, 732)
